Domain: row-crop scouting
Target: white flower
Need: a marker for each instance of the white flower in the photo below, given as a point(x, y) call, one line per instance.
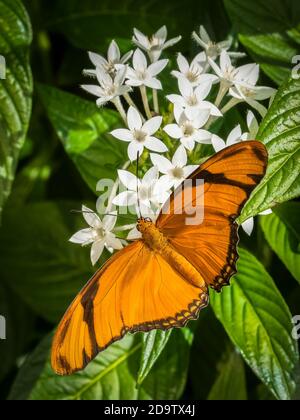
point(242, 82)
point(253, 126)
point(248, 225)
point(189, 130)
point(234, 137)
point(109, 87)
point(141, 74)
point(111, 63)
point(193, 100)
point(139, 135)
point(175, 172)
point(156, 44)
point(100, 234)
point(193, 72)
point(212, 49)
point(226, 72)
point(251, 94)
point(143, 194)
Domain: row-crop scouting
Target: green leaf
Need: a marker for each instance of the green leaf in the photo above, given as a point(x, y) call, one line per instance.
point(15, 89)
point(84, 131)
point(19, 327)
point(87, 23)
point(259, 323)
point(49, 271)
point(231, 383)
point(112, 375)
point(210, 344)
point(153, 344)
point(280, 132)
point(282, 231)
point(267, 30)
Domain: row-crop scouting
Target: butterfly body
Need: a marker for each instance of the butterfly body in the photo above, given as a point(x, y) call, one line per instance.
point(161, 281)
point(158, 243)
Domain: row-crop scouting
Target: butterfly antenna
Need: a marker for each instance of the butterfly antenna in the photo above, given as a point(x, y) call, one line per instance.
point(74, 211)
point(137, 184)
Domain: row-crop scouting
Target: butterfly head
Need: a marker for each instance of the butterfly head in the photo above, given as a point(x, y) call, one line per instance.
point(143, 224)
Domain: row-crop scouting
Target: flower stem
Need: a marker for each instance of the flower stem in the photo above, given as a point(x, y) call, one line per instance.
point(145, 102)
point(222, 92)
point(118, 104)
point(130, 102)
point(155, 101)
point(232, 103)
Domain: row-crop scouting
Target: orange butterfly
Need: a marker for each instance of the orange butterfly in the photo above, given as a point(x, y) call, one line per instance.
point(162, 280)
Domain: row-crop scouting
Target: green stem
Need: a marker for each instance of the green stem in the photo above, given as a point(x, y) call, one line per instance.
point(145, 102)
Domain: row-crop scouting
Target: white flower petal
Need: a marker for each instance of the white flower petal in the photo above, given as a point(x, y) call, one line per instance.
point(180, 157)
point(128, 179)
point(173, 130)
point(188, 143)
point(163, 164)
point(112, 242)
point(248, 73)
point(141, 38)
point(183, 64)
point(150, 176)
point(97, 59)
point(189, 170)
point(259, 107)
point(153, 83)
point(235, 136)
point(91, 218)
point(139, 60)
point(176, 99)
point(162, 34)
point(83, 237)
point(248, 226)
point(134, 119)
point(93, 89)
point(96, 251)
point(135, 150)
point(126, 57)
point(122, 134)
point(156, 68)
point(125, 199)
point(152, 126)
point(218, 143)
point(110, 220)
point(185, 87)
point(225, 62)
point(172, 42)
point(155, 145)
point(113, 52)
point(202, 136)
point(203, 90)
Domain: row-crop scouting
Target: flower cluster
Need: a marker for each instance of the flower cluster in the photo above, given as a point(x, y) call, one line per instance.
point(166, 146)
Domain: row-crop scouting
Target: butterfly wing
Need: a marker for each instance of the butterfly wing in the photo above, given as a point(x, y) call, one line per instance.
point(136, 290)
point(211, 245)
